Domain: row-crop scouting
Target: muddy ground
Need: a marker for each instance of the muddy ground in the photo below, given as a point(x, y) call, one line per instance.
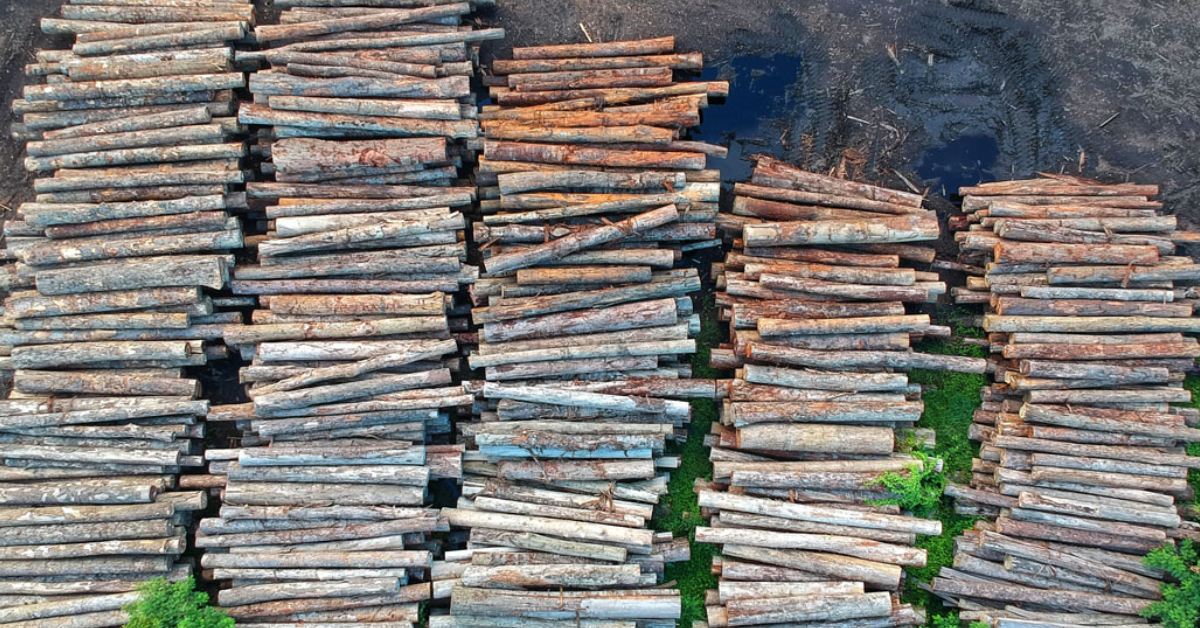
point(936, 92)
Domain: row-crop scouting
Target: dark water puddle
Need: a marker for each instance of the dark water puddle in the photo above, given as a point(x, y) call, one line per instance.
point(756, 114)
point(965, 160)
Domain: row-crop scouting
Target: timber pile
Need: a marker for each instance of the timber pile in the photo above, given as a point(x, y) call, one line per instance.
point(589, 200)
point(135, 158)
point(352, 352)
point(321, 518)
point(1082, 462)
point(815, 290)
point(82, 526)
point(585, 185)
point(364, 109)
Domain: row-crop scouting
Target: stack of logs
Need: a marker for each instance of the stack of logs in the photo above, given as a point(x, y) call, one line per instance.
point(364, 109)
point(590, 200)
point(135, 160)
point(815, 292)
point(351, 352)
point(1082, 462)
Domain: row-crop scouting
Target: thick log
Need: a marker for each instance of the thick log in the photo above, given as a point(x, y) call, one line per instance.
point(256, 594)
point(72, 606)
point(881, 230)
point(140, 274)
point(817, 514)
point(584, 531)
point(50, 214)
point(552, 576)
point(660, 45)
point(752, 413)
point(319, 560)
point(1069, 600)
point(862, 359)
point(820, 608)
point(568, 605)
point(134, 87)
point(588, 155)
point(816, 438)
point(599, 401)
point(843, 545)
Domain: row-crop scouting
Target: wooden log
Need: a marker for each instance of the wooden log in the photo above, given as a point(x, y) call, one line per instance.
point(1069, 600)
point(270, 494)
point(68, 607)
point(845, 546)
point(50, 214)
point(372, 21)
point(660, 45)
point(398, 559)
point(841, 274)
point(207, 37)
point(1059, 253)
point(752, 413)
point(882, 359)
point(134, 87)
point(508, 309)
point(1085, 418)
point(733, 590)
point(392, 108)
point(593, 156)
point(584, 531)
point(547, 576)
point(144, 273)
point(568, 605)
point(824, 380)
point(1018, 306)
point(893, 229)
point(139, 138)
point(816, 438)
point(916, 323)
point(817, 514)
point(823, 608)
point(1086, 324)
point(256, 594)
point(59, 382)
point(555, 396)
point(577, 470)
point(1123, 275)
point(582, 240)
point(633, 134)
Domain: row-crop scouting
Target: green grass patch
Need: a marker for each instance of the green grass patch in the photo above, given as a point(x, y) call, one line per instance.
point(174, 605)
point(1180, 603)
point(950, 401)
point(682, 513)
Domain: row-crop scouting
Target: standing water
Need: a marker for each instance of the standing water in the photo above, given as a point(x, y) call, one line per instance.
point(756, 114)
point(965, 160)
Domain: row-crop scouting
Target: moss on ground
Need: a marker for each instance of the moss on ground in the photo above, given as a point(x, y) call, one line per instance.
point(682, 514)
point(950, 401)
point(1192, 383)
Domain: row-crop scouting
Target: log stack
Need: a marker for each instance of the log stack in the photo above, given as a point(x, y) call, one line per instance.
point(365, 110)
point(321, 518)
point(114, 262)
point(88, 502)
point(135, 160)
point(589, 200)
point(820, 410)
point(352, 358)
point(1082, 462)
